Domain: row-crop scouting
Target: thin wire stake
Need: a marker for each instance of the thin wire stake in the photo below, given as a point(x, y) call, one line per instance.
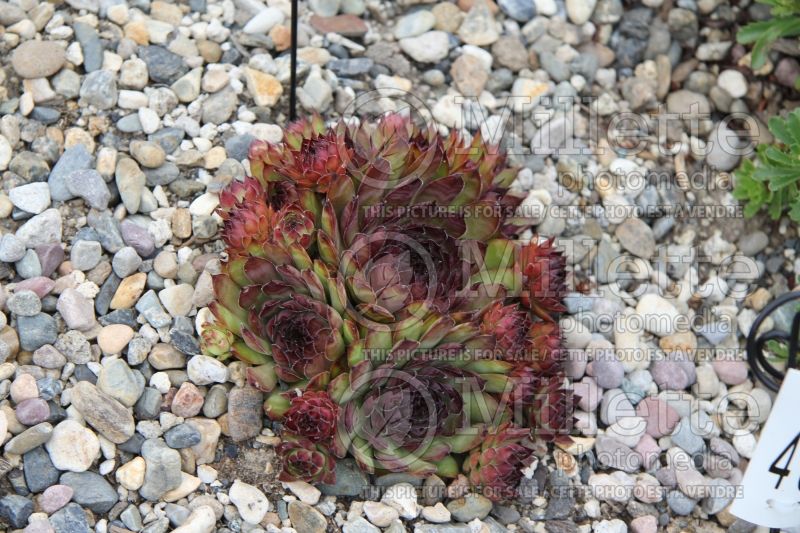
point(293, 59)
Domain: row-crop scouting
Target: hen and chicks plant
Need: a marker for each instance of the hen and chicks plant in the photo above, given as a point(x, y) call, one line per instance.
point(375, 288)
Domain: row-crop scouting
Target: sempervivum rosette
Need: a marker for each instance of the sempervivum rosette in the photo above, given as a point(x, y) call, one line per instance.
point(416, 397)
point(374, 288)
point(495, 467)
point(305, 460)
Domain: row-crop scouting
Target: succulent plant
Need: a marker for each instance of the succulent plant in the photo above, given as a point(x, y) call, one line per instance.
point(305, 460)
point(376, 291)
point(544, 271)
point(495, 468)
point(312, 415)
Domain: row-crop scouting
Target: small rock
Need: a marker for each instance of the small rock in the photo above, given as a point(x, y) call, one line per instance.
point(131, 474)
point(430, 47)
point(163, 66)
point(244, 413)
point(636, 237)
point(130, 183)
point(438, 514)
point(70, 518)
point(163, 470)
point(33, 197)
point(730, 372)
point(519, 10)
point(658, 314)
point(72, 447)
point(187, 401)
point(102, 412)
point(579, 11)
point(661, 418)
point(24, 303)
point(16, 509)
point(414, 24)
point(263, 21)
point(201, 520)
point(91, 490)
point(470, 507)
point(76, 310)
point(380, 514)
point(205, 370)
point(99, 89)
point(251, 503)
point(55, 497)
point(182, 436)
point(306, 518)
point(32, 411)
point(479, 27)
point(85, 255)
point(120, 382)
point(11, 248)
point(41, 229)
point(38, 59)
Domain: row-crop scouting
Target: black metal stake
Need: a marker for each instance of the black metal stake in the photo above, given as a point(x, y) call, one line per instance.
point(770, 376)
point(293, 67)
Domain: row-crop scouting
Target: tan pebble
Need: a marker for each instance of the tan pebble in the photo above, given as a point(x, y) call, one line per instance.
point(76, 136)
point(114, 338)
point(5, 206)
point(129, 291)
point(264, 88)
point(182, 223)
point(215, 157)
point(8, 335)
point(118, 14)
point(189, 484)
point(148, 154)
point(137, 32)
point(106, 161)
point(166, 12)
point(131, 474)
point(448, 17)
point(24, 388)
point(210, 51)
point(281, 36)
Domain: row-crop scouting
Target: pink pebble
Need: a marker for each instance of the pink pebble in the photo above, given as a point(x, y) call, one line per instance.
point(24, 387)
point(39, 526)
point(55, 497)
point(644, 524)
point(730, 372)
point(661, 418)
point(32, 411)
point(40, 285)
point(648, 450)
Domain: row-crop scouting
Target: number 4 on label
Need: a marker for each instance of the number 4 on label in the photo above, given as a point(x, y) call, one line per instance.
point(783, 471)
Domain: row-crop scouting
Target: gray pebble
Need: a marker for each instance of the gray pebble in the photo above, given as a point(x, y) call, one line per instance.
point(148, 406)
point(91, 490)
point(126, 262)
point(85, 255)
point(162, 65)
point(16, 509)
point(182, 436)
point(74, 158)
point(89, 185)
point(99, 89)
point(24, 303)
point(11, 249)
point(36, 331)
point(39, 470)
point(91, 45)
point(70, 519)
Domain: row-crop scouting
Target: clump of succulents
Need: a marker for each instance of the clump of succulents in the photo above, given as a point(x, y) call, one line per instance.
point(375, 288)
